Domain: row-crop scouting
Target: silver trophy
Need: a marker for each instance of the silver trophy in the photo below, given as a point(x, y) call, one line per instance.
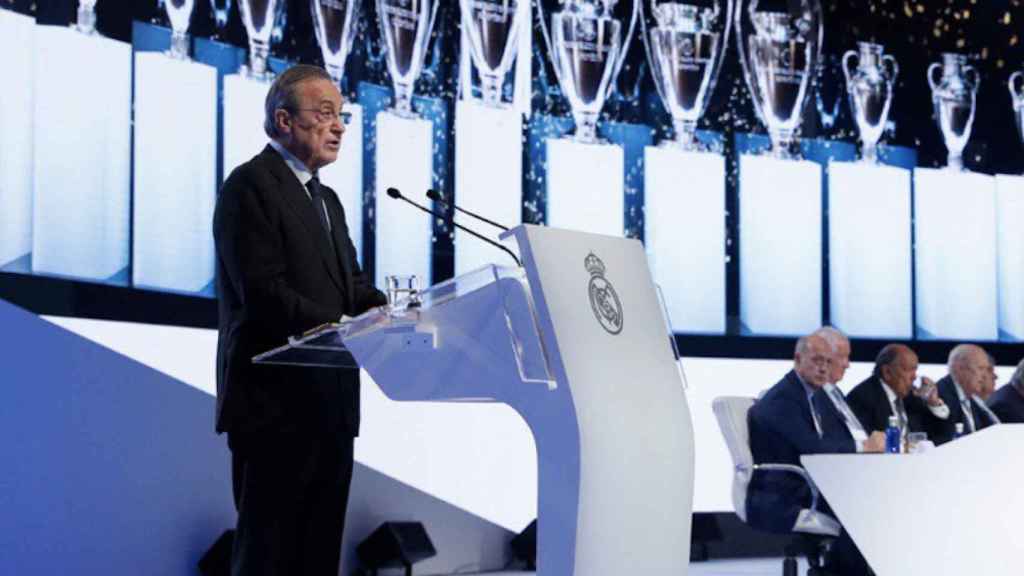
point(1016, 86)
point(86, 23)
point(221, 10)
point(685, 51)
point(258, 18)
point(779, 52)
point(587, 46)
point(179, 12)
point(405, 26)
point(954, 96)
point(493, 31)
point(334, 22)
point(869, 86)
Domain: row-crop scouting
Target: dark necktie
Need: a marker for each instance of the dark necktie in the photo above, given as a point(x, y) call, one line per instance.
point(901, 413)
point(316, 194)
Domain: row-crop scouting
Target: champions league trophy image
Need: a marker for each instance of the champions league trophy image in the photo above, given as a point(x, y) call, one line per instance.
point(334, 22)
point(779, 52)
point(221, 10)
point(86, 23)
point(686, 50)
point(258, 18)
point(405, 26)
point(869, 86)
point(587, 45)
point(954, 96)
point(179, 12)
point(493, 30)
point(1016, 86)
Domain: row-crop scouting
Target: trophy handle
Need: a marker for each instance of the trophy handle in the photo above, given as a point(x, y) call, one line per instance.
point(972, 76)
point(931, 75)
point(1016, 95)
point(847, 69)
point(893, 65)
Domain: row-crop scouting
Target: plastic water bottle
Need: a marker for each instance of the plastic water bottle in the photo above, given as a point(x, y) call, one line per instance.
point(959, 430)
point(892, 436)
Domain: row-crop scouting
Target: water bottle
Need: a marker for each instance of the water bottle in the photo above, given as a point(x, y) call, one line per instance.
point(892, 436)
point(959, 430)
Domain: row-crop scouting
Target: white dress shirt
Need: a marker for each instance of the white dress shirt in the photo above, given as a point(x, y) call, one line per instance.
point(302, 173)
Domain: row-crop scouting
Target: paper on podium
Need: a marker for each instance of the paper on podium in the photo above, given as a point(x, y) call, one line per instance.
point(684, 222)
point(780, 245)
point(345, 176)
point(955, 241)
point(243, 120)
point(82, 154)
point(488, 177)
point(175, 172)
point(869, 250)
point(1010, 243)
point(404, 235)
point(17, 36)
point(585, 187)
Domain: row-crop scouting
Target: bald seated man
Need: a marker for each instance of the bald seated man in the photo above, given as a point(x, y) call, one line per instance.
point(961, 390)
point(1008, 402)
point(889, 392)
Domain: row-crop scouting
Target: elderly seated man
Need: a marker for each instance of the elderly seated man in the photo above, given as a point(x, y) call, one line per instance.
point(790, 420)
point(888, 393)
point(961, 389)
point(1008, 402)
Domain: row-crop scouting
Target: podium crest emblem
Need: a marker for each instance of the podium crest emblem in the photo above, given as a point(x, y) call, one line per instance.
point(604, 301)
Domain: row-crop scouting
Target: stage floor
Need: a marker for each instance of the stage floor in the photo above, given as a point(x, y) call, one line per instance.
point(748, 567)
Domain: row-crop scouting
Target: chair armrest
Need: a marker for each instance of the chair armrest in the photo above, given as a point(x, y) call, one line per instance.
point(793, 469)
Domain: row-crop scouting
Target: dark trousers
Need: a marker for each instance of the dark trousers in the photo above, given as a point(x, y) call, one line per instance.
point(291, 492)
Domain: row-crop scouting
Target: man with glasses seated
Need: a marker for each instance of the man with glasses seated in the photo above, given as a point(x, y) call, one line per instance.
point(286, 264)
point(791, 420)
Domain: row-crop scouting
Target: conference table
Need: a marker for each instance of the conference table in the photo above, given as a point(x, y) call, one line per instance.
point(957, 509)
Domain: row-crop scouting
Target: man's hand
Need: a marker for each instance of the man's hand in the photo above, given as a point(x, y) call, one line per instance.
point(875, 442)
point(932, 395)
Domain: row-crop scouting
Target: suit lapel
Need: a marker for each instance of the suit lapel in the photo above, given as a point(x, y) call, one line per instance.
point(340, 241)
point(296, 198)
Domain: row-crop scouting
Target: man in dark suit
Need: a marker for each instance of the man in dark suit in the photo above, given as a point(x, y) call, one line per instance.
point(888, 393)
point(1008, 402)
point(285, 265)
point(791, 420)
point(960, 389)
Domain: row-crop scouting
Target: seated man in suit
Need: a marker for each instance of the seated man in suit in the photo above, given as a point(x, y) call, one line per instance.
point(1008, 402)
point(787, 422)
point(960, 389)
point(847, 418)
point(888, 393)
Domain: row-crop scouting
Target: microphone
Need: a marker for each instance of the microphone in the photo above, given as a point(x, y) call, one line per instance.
point(436, 197)
point(394, 193)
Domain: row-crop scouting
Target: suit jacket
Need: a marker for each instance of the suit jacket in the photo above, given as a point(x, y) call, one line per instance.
point(1008, 405)
point(781, 430)
point(869, 402)
point(278, 275)
point(947, 391)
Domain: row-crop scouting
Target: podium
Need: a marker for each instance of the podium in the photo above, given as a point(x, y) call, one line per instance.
point(952, 510)
point(576, 341)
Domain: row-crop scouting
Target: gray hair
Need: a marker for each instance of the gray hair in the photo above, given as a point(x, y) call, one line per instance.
point(959, 355)
point(1018, 376)
point(283, 93)
point(832, 335)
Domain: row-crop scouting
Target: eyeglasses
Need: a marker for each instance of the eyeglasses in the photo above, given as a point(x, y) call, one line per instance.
point(326, 115)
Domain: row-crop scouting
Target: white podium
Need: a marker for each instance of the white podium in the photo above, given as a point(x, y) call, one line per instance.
point(576, 343)
point(345, 176)
point(488, 175)
point(404, 235)
point(684, 225)
point(175, 172)
point(585, 187)
point(82, 154)
point(952, 511)
point(955, 265)
point(1010, 248)
point(780, 245)
point(869, 250)
point(17, 43)
point(244, 136)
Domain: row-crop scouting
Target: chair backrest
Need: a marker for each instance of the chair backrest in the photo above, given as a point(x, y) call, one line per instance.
point(731, 413)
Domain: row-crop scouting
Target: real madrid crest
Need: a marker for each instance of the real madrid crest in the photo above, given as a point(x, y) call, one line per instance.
point(603, 299)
